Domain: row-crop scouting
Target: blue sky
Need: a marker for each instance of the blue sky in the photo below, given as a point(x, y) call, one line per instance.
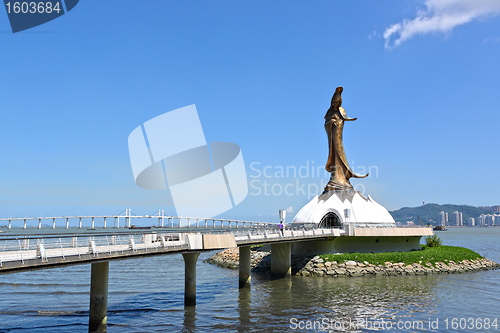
point(421, 76)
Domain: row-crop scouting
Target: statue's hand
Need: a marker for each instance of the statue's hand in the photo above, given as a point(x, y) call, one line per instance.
point(344, 116)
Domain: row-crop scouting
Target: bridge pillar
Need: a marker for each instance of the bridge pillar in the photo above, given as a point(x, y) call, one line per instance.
point(245, 266)
point(98, 312)
point(281, 259)
point(190, 259)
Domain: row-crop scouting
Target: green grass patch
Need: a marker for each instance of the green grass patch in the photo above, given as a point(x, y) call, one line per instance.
point(424, 256)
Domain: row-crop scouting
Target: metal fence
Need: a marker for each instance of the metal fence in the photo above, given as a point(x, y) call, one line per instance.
point(20, 248)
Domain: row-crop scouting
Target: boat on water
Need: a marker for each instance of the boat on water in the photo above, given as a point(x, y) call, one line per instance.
point(439, 228)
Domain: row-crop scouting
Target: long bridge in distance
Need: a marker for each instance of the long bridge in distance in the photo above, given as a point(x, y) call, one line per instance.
point(38, 247)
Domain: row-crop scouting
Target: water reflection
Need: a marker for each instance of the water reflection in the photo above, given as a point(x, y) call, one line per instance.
point(244, 309)
point(189, 318)
point(280, 303)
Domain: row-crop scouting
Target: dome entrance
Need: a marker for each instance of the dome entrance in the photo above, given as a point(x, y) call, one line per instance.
point(330, 220)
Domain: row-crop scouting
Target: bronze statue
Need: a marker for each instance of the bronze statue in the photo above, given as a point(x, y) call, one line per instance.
point(337, 162)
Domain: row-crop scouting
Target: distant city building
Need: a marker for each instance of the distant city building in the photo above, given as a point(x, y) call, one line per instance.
point(493, 209)
point(481, 220)
point(457, 219)
point(489, 220)
point(471, 222)
point(443, 218)
point(497, 220)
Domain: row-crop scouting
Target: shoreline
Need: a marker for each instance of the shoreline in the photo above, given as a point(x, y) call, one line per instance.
point(316, 266)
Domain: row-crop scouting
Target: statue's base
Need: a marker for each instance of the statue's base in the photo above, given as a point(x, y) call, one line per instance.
point(338, 208)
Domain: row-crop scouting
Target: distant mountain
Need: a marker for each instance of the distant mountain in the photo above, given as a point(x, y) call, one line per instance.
point(429, 213)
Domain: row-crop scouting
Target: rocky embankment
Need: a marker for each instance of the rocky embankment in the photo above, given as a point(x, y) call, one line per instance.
point(316, 266)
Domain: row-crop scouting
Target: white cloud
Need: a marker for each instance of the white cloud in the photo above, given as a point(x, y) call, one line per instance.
point(491, 39)
point(440, 16)
point(289, 210)
point(373, 34)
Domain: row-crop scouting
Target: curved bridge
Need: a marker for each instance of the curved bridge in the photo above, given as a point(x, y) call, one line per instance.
point(42, 248)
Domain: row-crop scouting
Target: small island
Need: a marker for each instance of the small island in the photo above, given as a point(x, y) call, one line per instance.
point(429, 260)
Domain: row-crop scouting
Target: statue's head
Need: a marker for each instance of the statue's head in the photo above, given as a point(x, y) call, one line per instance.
point(337, 97)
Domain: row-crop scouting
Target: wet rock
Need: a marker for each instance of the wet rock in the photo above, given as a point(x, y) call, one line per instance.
point(316, 266)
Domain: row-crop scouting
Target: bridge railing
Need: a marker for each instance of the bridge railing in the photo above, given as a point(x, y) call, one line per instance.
point(127, 221)
point(293, 232)
point(199, 222)
point(359, 225)
point(382, 225)
point(43, 247)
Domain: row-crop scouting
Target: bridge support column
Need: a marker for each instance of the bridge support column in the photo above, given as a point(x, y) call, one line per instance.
point(98, 311)
point(245, 266)
point(281, 259)
point(190, 259)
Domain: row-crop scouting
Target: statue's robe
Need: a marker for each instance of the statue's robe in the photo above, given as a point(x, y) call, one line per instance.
point(337, 163)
